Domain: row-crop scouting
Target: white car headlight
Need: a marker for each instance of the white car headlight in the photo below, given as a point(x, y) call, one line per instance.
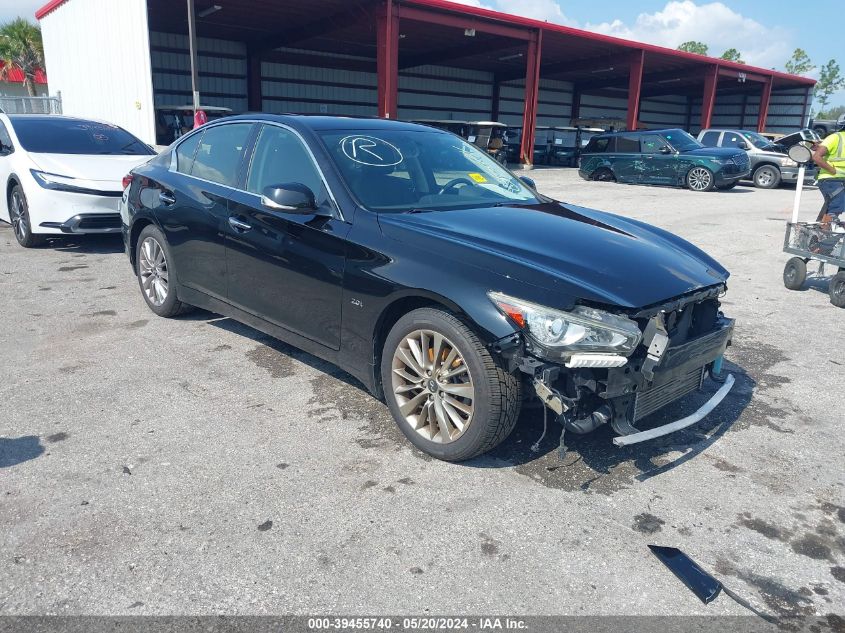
point(581, 330)
point(788, 162)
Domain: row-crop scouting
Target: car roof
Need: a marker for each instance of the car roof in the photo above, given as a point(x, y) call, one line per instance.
point(322, 122)
point(638, 132)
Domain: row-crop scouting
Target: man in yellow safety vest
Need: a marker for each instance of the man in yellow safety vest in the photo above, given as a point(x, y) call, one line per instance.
point(829, 155)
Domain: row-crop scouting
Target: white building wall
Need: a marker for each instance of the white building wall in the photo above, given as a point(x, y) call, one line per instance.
point(99, 59)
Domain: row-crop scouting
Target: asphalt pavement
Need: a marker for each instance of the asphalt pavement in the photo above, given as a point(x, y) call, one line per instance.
point(194, 466)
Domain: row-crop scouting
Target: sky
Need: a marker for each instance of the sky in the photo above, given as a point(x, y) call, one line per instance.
point(764, 31)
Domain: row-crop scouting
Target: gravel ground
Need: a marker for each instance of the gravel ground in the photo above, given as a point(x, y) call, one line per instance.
point(193, 466)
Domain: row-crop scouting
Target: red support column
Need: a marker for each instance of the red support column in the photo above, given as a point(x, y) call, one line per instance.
point(635, 84)
point(708, 101)
point(255, 99)
point(764, 105)
point(388, 60)
point(532, 90)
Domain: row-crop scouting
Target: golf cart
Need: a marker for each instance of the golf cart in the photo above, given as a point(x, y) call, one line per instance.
point(175, 121)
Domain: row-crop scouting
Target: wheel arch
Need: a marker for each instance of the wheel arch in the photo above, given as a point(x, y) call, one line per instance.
point(408, 302)
point(138, 225)
point(765, 163)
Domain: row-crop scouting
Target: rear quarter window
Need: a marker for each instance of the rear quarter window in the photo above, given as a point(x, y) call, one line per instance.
point(598, 145)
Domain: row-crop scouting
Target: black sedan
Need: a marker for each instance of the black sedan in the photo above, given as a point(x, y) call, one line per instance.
point(415, 262)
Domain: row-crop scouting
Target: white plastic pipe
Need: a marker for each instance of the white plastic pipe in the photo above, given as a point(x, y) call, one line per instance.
point(666, 429)
point(799, 188)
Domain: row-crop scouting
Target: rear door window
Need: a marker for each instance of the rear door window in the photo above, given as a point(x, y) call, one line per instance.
point(710, 139)
point(218, 157)
point(627, 144)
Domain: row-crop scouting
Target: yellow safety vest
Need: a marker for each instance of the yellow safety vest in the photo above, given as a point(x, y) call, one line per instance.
point(836, 157)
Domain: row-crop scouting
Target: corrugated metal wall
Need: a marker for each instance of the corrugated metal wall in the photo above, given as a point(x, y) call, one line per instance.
point(104, 76)
point(554, 102)
point(425, 92)
point(222, 71)
point(787, 111)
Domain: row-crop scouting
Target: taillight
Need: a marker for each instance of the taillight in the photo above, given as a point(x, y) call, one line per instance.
point(127, 180)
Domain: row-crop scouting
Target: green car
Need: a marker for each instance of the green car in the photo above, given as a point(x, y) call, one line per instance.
point(662, 157)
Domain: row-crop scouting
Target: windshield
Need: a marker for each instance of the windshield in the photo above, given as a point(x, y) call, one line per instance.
point(45, 135)
point(681, 140)
point(758, 140)
point(395, 171)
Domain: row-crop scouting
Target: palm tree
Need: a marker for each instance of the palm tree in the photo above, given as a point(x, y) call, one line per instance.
point(21, 47)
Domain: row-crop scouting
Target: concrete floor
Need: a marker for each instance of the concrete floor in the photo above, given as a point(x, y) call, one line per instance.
point(192, 466)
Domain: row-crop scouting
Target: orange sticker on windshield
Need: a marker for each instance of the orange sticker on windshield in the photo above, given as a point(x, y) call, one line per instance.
point(477, 177)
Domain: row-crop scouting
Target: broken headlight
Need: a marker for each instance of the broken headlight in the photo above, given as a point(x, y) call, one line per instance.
point(581, 330)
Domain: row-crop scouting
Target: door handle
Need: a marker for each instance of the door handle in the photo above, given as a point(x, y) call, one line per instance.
point(166, 198)
point(241, 227)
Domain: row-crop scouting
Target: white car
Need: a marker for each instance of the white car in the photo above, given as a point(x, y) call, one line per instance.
point(63, 175)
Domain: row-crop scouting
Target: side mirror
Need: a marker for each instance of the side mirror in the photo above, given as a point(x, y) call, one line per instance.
point(665, 150)
point(801, 154)
point(529, 181)
point(290, 197)
point(742, 145)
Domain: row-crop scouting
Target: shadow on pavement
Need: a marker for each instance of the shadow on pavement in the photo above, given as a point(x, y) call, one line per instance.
point(18, 450)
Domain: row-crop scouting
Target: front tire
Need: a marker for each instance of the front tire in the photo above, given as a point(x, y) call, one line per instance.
point(767, 177)
point(701, 179)
point(448, 395)
point(156, 278)
point(795, 273)
point(20, 219)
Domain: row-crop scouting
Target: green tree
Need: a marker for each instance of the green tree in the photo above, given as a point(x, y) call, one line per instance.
point(21, 47)
point(692, 46)
point(830, 81)
point(799, 63)
point(832, 114)
point(732, 55)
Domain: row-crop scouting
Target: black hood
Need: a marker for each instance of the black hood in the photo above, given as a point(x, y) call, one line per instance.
point(586, 254)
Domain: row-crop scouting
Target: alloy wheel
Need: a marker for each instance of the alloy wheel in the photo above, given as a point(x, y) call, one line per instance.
point(699, 179)
point(433, 386)
point(152, 267)
point(19, 218)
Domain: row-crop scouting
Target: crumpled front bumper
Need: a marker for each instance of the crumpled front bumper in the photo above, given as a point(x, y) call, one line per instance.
point(626, 395)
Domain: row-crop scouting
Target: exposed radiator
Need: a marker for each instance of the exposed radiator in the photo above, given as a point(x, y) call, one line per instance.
point(647, 402)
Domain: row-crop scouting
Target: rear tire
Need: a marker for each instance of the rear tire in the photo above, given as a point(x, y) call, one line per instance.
point(447, 394)
point(156, 276)
point(20, 219)
point(837, 290)
point(795, 273)
point(603, 174)
point(766, 177)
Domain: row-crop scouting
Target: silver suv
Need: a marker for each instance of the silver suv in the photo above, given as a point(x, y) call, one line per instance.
point(770, 166)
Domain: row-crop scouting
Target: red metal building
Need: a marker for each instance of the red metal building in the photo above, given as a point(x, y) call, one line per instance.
point(436, 59)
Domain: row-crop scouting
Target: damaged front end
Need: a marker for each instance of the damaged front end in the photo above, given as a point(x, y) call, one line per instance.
point(591, 367)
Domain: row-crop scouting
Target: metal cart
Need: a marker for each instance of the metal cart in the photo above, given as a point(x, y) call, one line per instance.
point(819, 241)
